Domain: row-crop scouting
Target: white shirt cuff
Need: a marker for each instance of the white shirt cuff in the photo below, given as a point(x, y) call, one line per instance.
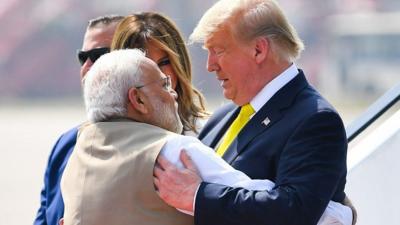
point(191, 213)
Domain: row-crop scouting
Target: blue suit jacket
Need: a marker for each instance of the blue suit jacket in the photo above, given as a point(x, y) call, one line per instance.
point(51, 203)
point(296, 140)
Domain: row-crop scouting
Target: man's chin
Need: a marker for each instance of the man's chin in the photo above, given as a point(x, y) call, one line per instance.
point(227, 95)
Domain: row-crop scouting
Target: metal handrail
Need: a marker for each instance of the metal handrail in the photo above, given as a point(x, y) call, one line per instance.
point(379, 107)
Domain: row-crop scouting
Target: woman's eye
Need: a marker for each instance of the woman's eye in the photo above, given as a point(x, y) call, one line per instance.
point(164, 62)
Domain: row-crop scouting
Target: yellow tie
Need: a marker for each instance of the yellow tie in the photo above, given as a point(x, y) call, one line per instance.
point(244, 116)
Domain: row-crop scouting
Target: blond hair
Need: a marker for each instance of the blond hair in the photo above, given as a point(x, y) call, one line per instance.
point(249, 19)
point(137, 30)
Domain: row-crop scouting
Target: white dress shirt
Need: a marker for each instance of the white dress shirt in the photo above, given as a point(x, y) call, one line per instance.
point(273, 86)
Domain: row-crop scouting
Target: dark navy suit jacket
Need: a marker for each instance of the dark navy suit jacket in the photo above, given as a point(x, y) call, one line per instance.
point(296, 140)
point(51, 203)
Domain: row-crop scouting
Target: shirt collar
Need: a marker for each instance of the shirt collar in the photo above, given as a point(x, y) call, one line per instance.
point(273, 86)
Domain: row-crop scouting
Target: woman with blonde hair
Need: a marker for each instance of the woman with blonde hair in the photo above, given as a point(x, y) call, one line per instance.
point(160, 38)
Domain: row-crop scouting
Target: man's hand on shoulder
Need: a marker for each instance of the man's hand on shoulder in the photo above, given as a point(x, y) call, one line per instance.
point(177, 187)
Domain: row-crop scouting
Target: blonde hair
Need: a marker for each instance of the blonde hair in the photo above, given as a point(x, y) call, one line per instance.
point(249, 19)
point(137, 30)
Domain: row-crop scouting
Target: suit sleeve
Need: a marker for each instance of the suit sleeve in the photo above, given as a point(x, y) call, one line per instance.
point(41, 213)
point(309, 169)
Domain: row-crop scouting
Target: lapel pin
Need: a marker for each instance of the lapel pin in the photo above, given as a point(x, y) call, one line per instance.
point(266, 121)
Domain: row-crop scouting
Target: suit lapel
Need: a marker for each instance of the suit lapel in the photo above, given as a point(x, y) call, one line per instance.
point(267, 116)
point(213, 137)
point(261, 121)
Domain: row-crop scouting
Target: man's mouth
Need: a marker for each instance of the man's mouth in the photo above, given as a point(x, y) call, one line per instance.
point(222, 82)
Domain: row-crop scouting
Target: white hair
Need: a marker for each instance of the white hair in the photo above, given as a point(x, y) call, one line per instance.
point(213, 18)
point(249, 19)
point(108, 81)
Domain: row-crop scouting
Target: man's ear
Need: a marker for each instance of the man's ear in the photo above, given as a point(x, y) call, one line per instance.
point(262, 48)
point(135, 98)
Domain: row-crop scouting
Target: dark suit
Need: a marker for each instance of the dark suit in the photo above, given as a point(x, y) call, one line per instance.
point(302, 149)
point(51, 202)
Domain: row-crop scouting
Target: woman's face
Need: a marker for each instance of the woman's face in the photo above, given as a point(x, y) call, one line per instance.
point(161, 58)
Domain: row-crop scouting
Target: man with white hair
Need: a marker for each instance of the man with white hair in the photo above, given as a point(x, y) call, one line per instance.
point(108, 178)
point(133, 118)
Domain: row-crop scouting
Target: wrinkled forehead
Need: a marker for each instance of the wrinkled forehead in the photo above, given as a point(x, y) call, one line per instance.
point(221, 36)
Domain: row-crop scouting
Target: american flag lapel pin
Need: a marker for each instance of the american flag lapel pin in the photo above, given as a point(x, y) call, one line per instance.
point(266, 121)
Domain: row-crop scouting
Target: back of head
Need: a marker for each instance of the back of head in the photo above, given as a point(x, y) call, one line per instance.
point(104, 20)
point(249, 19)
point(108, 81)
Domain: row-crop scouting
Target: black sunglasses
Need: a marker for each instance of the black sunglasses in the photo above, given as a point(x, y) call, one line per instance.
point(93, 54)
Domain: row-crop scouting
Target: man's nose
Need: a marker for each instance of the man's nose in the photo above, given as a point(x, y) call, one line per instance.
point(86, 67)
point(88, 62)
point(212, 64)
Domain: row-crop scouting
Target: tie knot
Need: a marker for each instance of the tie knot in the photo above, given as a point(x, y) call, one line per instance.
point(246, 110)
